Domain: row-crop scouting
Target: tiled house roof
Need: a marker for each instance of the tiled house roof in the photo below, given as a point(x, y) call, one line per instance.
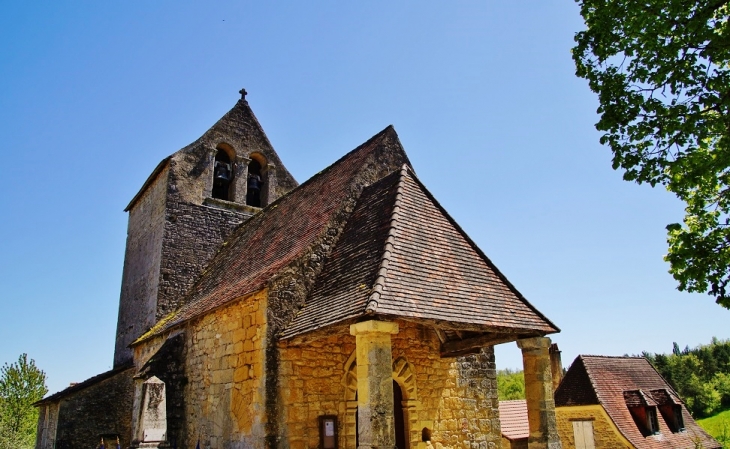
point(619, 382)
point(399, 254)
point(402, 255)
point(513, 419)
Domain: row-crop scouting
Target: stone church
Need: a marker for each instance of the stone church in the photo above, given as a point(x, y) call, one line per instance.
point(348, 311)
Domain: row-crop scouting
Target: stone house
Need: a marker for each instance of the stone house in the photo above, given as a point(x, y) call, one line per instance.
point(623, 402)
point(348, 311)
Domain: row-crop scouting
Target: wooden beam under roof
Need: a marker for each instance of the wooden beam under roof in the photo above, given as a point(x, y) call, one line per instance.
point(473, 345)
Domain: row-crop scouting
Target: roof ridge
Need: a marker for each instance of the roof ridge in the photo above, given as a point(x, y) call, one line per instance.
point(372, 304)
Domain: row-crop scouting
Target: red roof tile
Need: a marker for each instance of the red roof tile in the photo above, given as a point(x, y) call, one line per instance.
point(513, 419)
point(402, 255)
point(608, 379)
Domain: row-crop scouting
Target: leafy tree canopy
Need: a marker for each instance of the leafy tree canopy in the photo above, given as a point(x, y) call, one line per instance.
point(701, 375)
point(510, 384)
point(21, 384)
point(661, 69)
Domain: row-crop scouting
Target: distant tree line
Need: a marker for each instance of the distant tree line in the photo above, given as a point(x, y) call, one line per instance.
point(701, 375)
point(510, 384)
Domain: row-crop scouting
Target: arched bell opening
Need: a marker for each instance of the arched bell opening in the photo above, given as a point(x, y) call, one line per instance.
point(222, 176)
point(256, 183)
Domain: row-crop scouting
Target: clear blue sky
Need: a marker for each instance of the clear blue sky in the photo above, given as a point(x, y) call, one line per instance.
point(483, 95)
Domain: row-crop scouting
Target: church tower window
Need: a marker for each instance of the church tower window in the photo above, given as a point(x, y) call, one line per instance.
point(222, 176)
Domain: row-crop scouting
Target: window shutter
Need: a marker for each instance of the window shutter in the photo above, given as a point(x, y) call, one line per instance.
point(583, 432)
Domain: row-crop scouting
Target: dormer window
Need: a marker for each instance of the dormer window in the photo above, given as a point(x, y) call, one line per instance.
point(643, 409)
point(672, 414)
point(670, 406)
point(222, 176)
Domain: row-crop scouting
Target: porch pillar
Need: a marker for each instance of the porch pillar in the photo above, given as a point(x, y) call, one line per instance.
point(376, 429)
point(539, 393)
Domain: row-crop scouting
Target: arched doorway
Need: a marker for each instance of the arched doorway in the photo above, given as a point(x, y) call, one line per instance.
point(404, 378)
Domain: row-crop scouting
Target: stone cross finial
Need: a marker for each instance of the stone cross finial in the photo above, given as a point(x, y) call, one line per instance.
point(243, 93)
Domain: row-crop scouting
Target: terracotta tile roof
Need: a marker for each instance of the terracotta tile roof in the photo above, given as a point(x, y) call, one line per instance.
point(513, 419)
point(402, 255)
point(276, 236)
point(615, 380)
point(342, 289)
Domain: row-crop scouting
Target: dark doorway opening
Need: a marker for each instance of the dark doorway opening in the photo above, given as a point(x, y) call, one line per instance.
point(399, 421)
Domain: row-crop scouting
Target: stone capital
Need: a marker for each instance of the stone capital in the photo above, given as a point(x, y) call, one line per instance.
point(531, 344)
point(374, 327)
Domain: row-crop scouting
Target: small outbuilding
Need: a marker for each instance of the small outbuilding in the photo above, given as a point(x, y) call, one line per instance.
point(623, 402)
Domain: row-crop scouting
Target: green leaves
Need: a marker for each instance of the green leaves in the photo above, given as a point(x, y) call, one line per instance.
point(21, 384)
point(701, 375)
point(510, 384)
point(661, 70)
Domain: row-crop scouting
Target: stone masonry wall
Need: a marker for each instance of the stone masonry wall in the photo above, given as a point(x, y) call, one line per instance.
point(101, 409)
point(605, 434)
point(514, 444)
point(456, 399)
point(142, 257)
point(225, 366)
point(193, 235)
point(168, 245)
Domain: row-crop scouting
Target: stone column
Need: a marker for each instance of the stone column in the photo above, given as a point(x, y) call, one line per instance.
point(556, 366)
point(240, 179)
point(269, 196)
point(539, 393)
point(376, 429)
point(208, 173)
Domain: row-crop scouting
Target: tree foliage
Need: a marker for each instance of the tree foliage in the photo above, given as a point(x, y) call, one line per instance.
point(701, 375)
point(510, 384)
point(661, 69)
point(21, 384)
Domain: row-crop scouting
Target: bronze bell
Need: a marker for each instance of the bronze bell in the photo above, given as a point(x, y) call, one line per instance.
point(222, 171)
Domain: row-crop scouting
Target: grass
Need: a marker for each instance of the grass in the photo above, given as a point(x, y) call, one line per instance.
point(718, 426)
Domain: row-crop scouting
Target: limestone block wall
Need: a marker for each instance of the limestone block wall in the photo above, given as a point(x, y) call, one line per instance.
point(514, 444)
point(605, 433)
point(142, 257)
point(226, 378)
point(454, 398)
